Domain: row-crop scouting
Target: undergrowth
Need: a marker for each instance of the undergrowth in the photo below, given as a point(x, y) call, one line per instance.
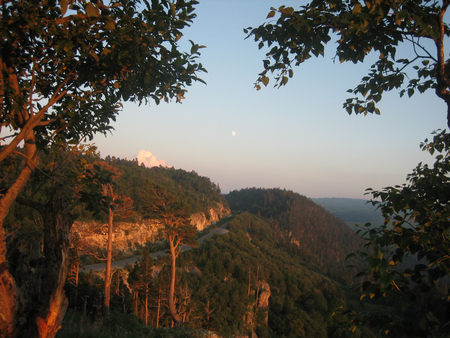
point(76, 325)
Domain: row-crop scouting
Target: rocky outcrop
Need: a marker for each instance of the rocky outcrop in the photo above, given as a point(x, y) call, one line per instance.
point(261, 305)
point(201, 220)
point(263, 299)
point(129, 236)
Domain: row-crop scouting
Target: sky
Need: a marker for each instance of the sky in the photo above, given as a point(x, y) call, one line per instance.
point(297, 137)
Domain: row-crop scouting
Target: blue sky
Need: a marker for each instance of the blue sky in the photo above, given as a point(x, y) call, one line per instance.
point(298, 137)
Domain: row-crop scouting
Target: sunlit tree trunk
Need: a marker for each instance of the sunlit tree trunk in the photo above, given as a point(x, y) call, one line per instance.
point(39, 281)
point(159, 308)
point(9, 291)
point(57, 224)
point(8, 306)
point(172, 308)
point(146, 307)
point(107, 300)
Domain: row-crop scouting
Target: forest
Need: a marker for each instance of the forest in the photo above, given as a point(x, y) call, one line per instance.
point(280, 271)
point(281, 266)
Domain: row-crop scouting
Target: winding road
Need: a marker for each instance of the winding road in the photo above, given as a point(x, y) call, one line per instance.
point(155, 255)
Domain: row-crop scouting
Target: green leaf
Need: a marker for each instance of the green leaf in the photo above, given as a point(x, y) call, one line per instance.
point(110, 25)
point(356, 9)
point(373, 262)
point(91, 10)
point(398, 229)
point(288, 10)
point(173, 9)
point(95, 56)
point(386, 279)
point(63, 4)
point(350, 255)
point(402, 14)
point(271, 14)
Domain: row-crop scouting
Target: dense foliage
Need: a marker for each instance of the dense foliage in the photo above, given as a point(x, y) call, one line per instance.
point(65, 69)
point(416, 225)
point(306, 229)
point(197, 192)
point(301, 301)
point(224, 284)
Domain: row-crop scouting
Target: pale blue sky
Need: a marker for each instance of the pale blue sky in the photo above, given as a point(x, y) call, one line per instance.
point(298, 137)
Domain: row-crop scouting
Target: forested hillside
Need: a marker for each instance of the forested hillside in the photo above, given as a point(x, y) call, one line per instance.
point(279, 272)
point(241, 284)
point(248, 264)
point(197, 192)
point(307, 230)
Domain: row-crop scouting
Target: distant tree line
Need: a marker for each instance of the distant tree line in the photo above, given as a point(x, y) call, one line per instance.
point(305, 228)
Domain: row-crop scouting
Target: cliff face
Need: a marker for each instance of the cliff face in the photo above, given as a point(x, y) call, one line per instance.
point(127, 236)
point(201, 220)
point(259, 307)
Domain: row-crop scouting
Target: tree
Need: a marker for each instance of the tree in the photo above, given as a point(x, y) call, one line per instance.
point(64, 70)
point(362, 27)
point(120, 206)
point(176, 228)
point(40, 275)
point(141, 277)
point(416, 228)
point(73, 271)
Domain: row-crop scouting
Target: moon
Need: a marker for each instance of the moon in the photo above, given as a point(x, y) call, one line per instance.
point(233, 133)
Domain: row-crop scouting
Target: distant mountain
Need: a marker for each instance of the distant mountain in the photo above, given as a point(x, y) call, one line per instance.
point(351, 211)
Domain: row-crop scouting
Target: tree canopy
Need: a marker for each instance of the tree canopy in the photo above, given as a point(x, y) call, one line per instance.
point(66, 67)
point(360, 28)
point(409, 258)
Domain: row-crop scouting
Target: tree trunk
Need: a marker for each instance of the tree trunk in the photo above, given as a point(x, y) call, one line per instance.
point(159, 307)
point(172, 308)
point(57, 224)
point(146, 308)
point(136, 298)
point(108, 266)
point(9, 293)
point(39, 281)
